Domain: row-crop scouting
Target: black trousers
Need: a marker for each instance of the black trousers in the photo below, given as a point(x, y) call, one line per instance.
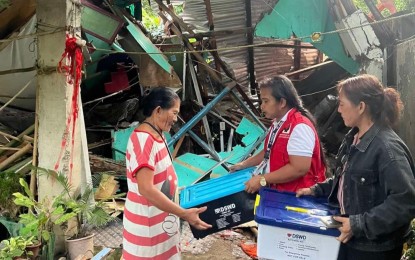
point(348, 253)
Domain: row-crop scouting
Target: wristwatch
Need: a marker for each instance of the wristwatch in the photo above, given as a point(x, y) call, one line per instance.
point(262, 181)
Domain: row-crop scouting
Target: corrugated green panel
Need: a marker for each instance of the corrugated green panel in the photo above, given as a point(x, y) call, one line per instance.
point(190, 167)
point(149, 47)
point(251, 134)
point(303, 18)
point(119, 144)
point(99, 23)
point(120, 140)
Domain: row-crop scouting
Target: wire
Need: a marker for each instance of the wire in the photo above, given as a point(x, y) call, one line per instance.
point(11, 39)
point(113, 94)
point(317, 92)
point(17, 94)
point(263, 43)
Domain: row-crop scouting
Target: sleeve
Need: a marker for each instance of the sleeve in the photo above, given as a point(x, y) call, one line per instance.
point(397, 210)
point(302, 141)
point(140, 153)
point(323, 189)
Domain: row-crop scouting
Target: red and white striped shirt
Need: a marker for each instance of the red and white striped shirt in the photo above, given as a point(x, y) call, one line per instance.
point(149, 233)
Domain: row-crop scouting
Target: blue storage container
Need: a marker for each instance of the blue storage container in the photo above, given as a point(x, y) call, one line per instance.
point(228, 204)
point(297, 233)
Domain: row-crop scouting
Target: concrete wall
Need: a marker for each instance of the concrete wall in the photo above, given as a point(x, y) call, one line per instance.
point(405, 71)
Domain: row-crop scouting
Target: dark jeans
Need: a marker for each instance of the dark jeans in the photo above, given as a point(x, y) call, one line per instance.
point(348, 253)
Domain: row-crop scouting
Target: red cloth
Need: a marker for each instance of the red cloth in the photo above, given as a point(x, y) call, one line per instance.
point(73, 71)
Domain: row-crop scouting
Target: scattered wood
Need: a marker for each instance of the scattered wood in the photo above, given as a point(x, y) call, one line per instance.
point(13, 143)
point(9, 136)
point(108, 186)
point(27, 148)
point(101, 164)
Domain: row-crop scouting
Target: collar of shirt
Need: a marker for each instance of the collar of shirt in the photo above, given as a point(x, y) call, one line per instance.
point(366, 139)
point(283, 119)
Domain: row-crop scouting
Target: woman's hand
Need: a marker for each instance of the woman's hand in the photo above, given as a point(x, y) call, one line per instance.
point(192, 216)
point(253, 185)
point(345, 229)
point(237, 167)
point(304, 191)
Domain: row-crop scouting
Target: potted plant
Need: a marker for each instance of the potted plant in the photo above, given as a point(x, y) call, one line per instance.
point(39, 219)
point(17, 248)
point(70, 206)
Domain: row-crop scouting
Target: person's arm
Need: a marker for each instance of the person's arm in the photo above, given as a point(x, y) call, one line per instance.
point(300, 149)
point(397, 210)
point(297, 167)
point(144, 178)
point(251, 161)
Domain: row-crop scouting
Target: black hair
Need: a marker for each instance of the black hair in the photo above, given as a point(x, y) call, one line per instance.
point(384, 104)
point(282, 87)
point(158, 97)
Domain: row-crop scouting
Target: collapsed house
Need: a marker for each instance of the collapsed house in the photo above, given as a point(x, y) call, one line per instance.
point(213, 55)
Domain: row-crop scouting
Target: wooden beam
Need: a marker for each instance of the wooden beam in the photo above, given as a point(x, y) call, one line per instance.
point(219, 33)
point(290, 74)
point(177, 147)
point(297, 58)
point(199, 57)
point(251, 57)
point(212, 40)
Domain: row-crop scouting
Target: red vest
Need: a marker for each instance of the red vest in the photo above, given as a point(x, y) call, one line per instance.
point(279, 154)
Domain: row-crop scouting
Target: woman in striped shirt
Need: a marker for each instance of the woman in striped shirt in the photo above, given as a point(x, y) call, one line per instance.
point(151, 217)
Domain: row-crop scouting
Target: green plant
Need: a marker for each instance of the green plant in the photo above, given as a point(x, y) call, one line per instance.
point(400, 5)
point(9, 184)
point(409, 247)
point(38, 221)
point(69, 204)
point(16, 247)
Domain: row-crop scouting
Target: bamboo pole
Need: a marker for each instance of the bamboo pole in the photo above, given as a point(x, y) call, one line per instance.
point(33, 172)
point(12, 143)
point(27, 148)
point(9, 136)
point(9, 148)
point(28, 139)
point(19, 165)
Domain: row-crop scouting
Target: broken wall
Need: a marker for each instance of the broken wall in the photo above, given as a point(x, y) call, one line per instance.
point(405, 60)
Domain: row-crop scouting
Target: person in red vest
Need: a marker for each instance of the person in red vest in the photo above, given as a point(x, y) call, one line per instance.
point(292, 157)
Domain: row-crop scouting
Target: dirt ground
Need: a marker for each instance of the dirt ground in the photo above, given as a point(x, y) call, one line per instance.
point(222, 245)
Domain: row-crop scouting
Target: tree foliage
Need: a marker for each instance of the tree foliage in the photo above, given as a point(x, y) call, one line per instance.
point(401, 5)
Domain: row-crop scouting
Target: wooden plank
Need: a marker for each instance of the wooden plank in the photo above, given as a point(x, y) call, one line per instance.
point(178, 145)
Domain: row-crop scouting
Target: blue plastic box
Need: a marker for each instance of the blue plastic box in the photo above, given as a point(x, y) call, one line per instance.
point(294, 234)
point(228, 204)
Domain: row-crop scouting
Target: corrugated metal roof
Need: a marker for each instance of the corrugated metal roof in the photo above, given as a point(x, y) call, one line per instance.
point(231, 15)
